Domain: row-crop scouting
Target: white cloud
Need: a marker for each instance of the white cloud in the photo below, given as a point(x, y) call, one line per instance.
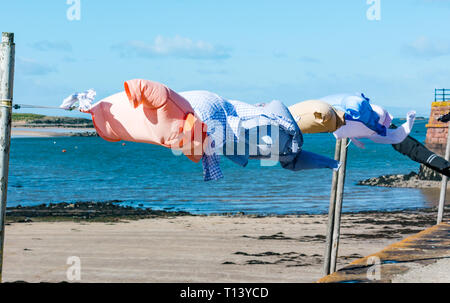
point(425, 47)
point(45, 45)
point(177, 46)
point(30, 67)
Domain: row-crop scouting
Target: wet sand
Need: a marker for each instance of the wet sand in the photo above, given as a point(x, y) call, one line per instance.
point(198, 248)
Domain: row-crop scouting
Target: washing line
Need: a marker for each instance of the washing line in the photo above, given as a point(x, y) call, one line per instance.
point(19, 106)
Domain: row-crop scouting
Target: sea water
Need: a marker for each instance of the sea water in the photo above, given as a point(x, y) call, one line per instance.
point(144, 175)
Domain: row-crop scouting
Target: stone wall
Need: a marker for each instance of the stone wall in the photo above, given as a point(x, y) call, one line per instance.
point(436, 140)
point(437, 132)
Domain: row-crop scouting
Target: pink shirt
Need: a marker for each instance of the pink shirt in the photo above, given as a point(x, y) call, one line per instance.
point(150, 112)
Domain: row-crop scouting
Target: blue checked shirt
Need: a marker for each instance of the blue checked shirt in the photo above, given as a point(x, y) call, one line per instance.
point(226, 121)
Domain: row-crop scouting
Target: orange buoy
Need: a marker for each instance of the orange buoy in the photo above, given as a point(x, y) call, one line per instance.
point(64, 150)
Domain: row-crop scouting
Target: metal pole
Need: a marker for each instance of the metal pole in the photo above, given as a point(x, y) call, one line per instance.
point(338, 208)
point(444, 183)
point(7, 50)
point(326, 267)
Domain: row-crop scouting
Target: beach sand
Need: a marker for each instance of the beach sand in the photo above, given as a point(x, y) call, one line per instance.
point(30, 132)
point(198, 248)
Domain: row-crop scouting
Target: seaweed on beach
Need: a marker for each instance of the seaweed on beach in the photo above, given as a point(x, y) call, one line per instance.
point(110, 211)
point(289, 259)
point(268, 253)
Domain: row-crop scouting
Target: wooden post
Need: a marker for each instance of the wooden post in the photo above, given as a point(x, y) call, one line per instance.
point(338, 208)
point(443, 194)
point(7, 49)
point(330, 227)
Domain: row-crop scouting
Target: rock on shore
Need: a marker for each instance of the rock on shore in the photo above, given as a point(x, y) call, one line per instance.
point(84, 134)
point(412, 180)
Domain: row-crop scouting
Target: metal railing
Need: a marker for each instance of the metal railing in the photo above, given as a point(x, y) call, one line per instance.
point(441, 94)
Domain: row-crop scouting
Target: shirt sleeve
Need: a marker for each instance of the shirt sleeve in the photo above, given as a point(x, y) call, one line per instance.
point(211, 166)
point(308, 160)
point(395, 136)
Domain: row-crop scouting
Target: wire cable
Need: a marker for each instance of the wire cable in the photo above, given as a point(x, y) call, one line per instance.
point(19, 106)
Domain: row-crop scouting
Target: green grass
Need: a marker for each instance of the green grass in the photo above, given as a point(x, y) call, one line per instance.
point(26, 117)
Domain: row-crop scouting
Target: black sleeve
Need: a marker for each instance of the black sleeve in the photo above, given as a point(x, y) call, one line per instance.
point(417, 152)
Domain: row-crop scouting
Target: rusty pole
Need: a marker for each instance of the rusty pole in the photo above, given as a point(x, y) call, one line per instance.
point(7, 50)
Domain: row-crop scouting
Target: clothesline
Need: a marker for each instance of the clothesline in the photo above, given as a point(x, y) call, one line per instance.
point(19, 106)
point(316, 116)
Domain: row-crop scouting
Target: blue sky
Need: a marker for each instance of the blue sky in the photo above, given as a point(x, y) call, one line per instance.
point(253, 51)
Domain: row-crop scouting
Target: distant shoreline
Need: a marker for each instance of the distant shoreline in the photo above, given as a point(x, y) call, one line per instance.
point(41, 126)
